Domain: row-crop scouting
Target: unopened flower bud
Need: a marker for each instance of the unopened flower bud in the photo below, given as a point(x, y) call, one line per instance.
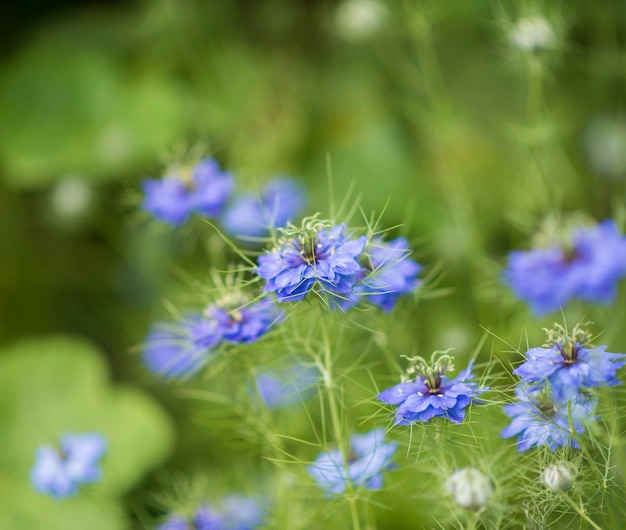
point(558, 477)
point(532, 34)
point(470, 488)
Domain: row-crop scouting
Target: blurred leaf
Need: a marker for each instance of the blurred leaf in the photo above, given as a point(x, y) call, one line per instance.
point(52, 386)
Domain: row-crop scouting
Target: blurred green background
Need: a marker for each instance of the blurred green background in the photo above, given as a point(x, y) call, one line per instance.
point(424, 104)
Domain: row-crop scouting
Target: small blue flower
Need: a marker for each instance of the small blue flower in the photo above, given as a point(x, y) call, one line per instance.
point(252, 216)
point(234, 512)
point(369, 456)
point(60, 472)
point(286, 387)
point(179, 349)
point(388, 273)
point(537, 419)
point(431, 394)
point(570, 364)
point(325, 257)
point(587, 265)
point(239, 323)
point(203, 189)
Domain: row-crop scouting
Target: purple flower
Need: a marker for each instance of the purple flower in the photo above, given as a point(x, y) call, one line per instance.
point(369, 456)
point(236, 322)
point(60, 472)
point(388, 273)
point(286, 387)
point(203, 189)
point(431, 394)
point(315, 256)
point(537, 419)
point(179, 349)
point(570, 365)
point(233, 513)
point(253, 216)
point(586, 266)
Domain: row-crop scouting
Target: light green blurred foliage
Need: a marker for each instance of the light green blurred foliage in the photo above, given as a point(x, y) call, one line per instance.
point(56, 385)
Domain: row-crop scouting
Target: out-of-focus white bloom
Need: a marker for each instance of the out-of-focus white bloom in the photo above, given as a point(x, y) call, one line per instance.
point(357, 20)
point(558, 477)
point(532, 34)
point(605, 143)
point(470, 488)
point(71, 198)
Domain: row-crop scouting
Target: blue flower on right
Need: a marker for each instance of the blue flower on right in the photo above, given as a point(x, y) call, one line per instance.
point(575, 261)
point(369, 456)
point(570, 364)
point(538, 419)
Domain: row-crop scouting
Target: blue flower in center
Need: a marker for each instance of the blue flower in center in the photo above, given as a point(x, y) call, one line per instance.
point(369, 456)
point(325, 257)
point(60, 472)
point(431, 394)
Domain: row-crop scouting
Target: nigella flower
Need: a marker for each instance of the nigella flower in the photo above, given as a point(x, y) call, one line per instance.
point(59, 472)
point(388, 273)
point(285, 387)
point(570, 364)
point(237, 322)
point(234, 512)
point(253, 216)
point(203, 189)
point(369, 456)
point(537, 419)
point(431, 394)
point(317, 254)
point(587, 263)
point(179, 349)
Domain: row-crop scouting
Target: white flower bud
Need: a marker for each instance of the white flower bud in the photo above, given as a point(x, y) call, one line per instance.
point(71, 198)
point(470, 488)
point(532, 34)
point(357, 20)
point(558, 477)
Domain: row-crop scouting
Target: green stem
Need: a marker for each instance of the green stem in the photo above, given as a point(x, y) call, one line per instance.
point(580, 511)
point(336, 421)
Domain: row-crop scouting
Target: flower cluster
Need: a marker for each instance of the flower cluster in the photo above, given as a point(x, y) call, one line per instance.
point(59, 472)
point(179, 349)
point(362, 467)
point(233, 513)
point(583, 262)
point(202, 189)
point(252, 216)
point(430, 394)
point(553, 394)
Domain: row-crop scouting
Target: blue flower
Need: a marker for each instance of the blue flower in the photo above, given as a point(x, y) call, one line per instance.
point(388, 273)
point(431, 394)
point(570, 364)
point(369, 456)
point(203, 189)
point(286, 387)
point(239, 323)
point(60, 472)
point(537, 419)
point(233, 513)
point(252, 216)
point(587, 265)
point(325, 257)
point(179, 349)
